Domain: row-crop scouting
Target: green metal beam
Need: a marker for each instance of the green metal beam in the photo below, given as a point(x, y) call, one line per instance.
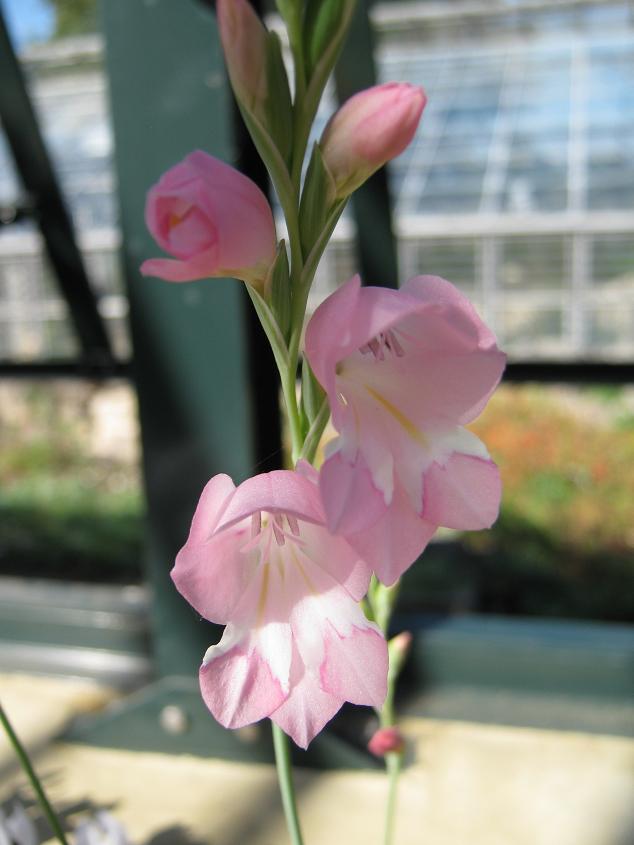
point(191, 354)
point(371, 204)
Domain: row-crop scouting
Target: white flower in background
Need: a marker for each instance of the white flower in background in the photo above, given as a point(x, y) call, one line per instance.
point(17, 828)
point(103, 829)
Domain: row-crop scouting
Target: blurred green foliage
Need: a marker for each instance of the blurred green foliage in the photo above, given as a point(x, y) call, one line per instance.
point(64, 512)
point(563, 545)
point(564, 542)
point(75, 17)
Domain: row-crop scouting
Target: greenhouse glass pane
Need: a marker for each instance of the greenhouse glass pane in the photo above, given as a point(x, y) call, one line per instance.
point(446, 203)
point(535, 187)
point(522, 325)
point(536, 263)
point(613, 261)
point(611, 185)
point(58, 340)
point(452, 259)
point(611, 329)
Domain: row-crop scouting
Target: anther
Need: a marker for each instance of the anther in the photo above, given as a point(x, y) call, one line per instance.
point(376, 347)
point(395, 345)
point(278, 530)
point(293, 524)
point(256, 523)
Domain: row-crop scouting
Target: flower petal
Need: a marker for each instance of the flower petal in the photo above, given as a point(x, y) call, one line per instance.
point(210, 570)
point(213, 501)
point(463, 493)
point(336, 556)
point(308, 707)
point(335, 640)
point(214, 575)
point(236, 681)
point(355, 666)
point(351, 499)
point(393, 542)
point(279, 491)
point(437, 291)
point(172, 270)
point(328, 329)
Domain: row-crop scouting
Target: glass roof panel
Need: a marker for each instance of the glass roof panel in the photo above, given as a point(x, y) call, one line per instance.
point(531, 125)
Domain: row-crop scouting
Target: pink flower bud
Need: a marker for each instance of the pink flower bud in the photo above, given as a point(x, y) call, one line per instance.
point(401, 644)
point(369, 129)
point(386, 740)
point(213, 219)
point(243, 39)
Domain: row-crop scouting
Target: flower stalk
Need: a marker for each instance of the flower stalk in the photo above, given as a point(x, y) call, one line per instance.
point(288, 561)
point(285, 777)
point(382, 601)
point(29, 771)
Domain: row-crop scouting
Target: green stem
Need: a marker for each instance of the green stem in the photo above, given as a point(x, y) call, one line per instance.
point(382, 601)
point(393, 765)
point(301, 133)
point(23, 757)
point(292, 410)
point(285, 778)
point(315, 431)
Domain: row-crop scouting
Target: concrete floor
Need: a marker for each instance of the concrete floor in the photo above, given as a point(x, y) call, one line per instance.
point(468, 784)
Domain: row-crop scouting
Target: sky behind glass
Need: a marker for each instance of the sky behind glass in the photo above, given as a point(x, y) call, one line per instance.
point(28, 20)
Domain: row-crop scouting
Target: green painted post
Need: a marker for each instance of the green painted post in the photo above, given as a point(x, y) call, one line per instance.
point(191, 358)
point(371, 204)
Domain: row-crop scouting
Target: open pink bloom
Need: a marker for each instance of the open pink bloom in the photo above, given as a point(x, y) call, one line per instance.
point(297, 644)
point(215, 220)
point(404, 370)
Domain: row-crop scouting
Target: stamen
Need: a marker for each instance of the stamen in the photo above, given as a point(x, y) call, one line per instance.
point(293, 524)
point(376, 347)
point(256, 523)
point(395, 345)
point(278, 530)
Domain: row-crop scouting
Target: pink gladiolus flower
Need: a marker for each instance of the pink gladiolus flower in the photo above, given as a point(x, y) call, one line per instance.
point(404, 370)
point(386, 740)
point(369, 129)
point(215, 220)
point(297, 645)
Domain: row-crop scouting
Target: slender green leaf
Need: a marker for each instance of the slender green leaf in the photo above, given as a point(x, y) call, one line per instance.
point(279, 109)
point(288, 9)
point(312, 437)
point(314, 256)
point(271, 157)
point(271, 328)
point(280, 289)
point(317, 199)
point(325, 26)
point(313, 394)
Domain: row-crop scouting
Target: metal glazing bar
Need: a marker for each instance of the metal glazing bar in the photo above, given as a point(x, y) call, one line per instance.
point(570, 372)
point(91, 370)
point(39, 181)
